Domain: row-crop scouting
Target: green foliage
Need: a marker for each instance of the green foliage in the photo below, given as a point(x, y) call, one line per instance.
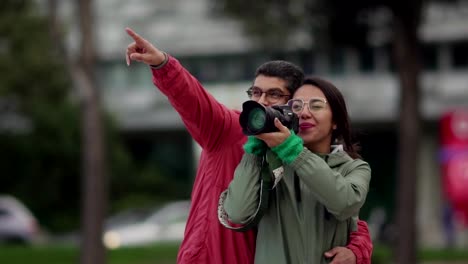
point(30, 70)
point(37, 163)
point(167, 253)
point(41, 162)
point(443, 255)
point(383, 255)
point(41, 166)
point(156, 254)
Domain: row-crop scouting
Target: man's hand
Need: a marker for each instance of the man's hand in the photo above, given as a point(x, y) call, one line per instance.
point(274, 139)
point(341, 255)
point(142, 50)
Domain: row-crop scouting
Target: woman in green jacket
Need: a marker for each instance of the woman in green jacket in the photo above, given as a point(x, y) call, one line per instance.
point(320, 185)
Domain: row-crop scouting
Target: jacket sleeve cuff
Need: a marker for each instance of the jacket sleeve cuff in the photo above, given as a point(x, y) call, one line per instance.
point(289, 149)
point(357, 252)
point(162, 64)
point(255, 146)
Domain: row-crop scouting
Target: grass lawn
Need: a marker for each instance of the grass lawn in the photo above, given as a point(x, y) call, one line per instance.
point(383, 255)
point(157, 254)
point(166, 254)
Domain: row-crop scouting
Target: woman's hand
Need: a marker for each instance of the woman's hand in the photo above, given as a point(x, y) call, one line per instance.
point(274, 139)
point(143, 51)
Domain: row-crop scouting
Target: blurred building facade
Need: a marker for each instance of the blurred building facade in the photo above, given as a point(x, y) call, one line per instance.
point(214, 49)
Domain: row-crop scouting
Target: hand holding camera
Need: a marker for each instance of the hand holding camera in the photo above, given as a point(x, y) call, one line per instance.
point(270, 124)
point(273, 139)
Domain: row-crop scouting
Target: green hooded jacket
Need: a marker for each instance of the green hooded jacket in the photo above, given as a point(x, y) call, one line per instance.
point(312, 209)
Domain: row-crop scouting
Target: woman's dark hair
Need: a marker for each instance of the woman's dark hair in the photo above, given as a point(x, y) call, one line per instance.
point(291, 73)
point(342, 134)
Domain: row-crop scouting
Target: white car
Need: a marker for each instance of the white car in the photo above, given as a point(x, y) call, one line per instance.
point(17, 223)
point(138, 227)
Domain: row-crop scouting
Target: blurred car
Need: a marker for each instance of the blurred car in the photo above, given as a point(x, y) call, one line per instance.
point(136, 227)
point(17, 223)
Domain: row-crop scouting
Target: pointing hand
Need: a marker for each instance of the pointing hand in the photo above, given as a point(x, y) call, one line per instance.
point(142, 50)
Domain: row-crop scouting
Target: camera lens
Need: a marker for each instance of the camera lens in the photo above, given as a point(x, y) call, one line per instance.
point(256, 119)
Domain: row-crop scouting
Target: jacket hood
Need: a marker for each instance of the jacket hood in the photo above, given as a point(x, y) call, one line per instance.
point(337, 156)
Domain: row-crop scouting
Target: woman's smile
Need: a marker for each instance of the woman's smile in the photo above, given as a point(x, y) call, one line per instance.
point(305, 126)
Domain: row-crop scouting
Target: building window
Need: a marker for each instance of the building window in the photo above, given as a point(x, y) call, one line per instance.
point(138, 76)
point(307, 62)
point(460, 54)
point(429, 57)
point(113, 76)
point(366, 60)
point(190, 65)
point(337, 61)
point(252, 62)
point(232, 68)
point(209, 70)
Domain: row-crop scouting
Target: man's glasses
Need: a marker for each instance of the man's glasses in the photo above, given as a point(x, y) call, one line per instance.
point(272, 95)
point(316, 104)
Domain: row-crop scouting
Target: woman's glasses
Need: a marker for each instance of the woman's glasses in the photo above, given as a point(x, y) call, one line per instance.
point(316, 104)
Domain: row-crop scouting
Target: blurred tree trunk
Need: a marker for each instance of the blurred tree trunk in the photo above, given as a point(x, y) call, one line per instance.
point(54, 27)
point(94, 193)
point(94, 180)
point(407, 58)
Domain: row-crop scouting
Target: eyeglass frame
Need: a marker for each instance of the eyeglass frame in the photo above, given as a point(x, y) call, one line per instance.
point(321, 99)
point(268, 93)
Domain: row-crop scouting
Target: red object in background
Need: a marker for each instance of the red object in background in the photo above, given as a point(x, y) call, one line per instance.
point(454, 160)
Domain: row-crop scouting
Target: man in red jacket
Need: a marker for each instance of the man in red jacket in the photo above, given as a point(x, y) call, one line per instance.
point(217, 130)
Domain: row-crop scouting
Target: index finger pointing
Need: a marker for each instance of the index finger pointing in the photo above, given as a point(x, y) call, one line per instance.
point(138, 39)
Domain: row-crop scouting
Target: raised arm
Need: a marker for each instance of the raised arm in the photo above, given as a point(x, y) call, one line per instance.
point(209, 122)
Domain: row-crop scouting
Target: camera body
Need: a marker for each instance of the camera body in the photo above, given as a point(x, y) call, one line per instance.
point(257, 119)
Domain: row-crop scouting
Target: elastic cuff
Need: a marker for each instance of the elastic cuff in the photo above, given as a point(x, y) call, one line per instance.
point(255, 146)
point(162, 64)
point(357, 253)
point(289, 149)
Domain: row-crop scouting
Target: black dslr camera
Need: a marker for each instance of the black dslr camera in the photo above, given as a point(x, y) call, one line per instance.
point(257, 119)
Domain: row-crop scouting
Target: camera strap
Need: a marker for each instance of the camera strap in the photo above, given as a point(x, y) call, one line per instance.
point(266, 184)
